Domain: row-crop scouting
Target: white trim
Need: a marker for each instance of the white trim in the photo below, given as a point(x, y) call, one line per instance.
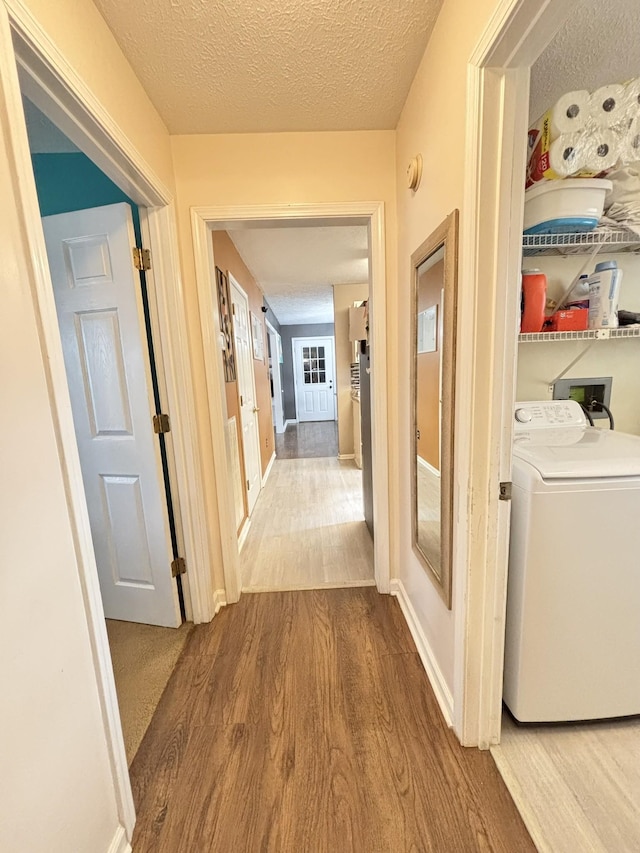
point(219, 601)
point(203, 220)
point(119, 844)
point(244, 532)
point(290, 422)
point(346, 456)
point(210, 326)
point(302, 586)
point(428, 466)
point(428, 658)
point(174, 347)
point(243, 298)
point(497, 106)
point(277, 404)
point(268, 471)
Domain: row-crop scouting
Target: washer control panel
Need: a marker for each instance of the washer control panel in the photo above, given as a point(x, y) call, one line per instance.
point(548, 414)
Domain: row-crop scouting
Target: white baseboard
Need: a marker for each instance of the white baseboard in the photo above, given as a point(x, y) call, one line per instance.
point(119, 844)
point(346, 456)
point(429, 467)
point(439, 685)
point(219, 601)
point(268, 471)
point(292, 421)
point(306, 587)
point(242, 538)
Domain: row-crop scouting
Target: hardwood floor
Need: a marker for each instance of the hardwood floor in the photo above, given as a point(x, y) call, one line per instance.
point(307, 529)
point(308, 440)
point(577, 785)
point(303, 722)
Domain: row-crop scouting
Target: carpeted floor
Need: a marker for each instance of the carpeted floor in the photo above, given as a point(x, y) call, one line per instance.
point(143, 658)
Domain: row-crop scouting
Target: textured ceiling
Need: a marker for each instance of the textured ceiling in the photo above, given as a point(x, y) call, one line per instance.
point(296, 266)
point(211, 66)
point(599, 44)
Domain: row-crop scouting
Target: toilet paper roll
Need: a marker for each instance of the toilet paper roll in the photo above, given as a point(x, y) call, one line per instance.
point(601, 150)
point(566, 155)
point(630, 148)
point(607, 105)
point(570, 112)
point(568, 115)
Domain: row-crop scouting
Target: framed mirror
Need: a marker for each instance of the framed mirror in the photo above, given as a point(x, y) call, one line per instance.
point(434, 270)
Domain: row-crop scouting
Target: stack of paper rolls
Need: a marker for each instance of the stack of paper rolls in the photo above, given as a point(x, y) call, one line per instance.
point(586, 135)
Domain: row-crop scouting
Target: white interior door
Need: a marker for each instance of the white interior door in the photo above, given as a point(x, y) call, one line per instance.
point(247, 392)
point(98, 300)
point(313, 370)
point(276, 378)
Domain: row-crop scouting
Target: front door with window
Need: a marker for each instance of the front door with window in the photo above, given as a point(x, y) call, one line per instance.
point(313, 366)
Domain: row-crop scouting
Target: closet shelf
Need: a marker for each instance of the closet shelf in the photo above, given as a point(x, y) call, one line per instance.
point(565, 244)
point(587, 335)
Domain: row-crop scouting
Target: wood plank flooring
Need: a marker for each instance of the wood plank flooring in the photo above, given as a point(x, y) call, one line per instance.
point(307, 529)
point(577, 785)
point(303, 722)
point(308, 440)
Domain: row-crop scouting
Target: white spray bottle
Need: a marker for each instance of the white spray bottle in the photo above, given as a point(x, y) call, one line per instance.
point(604, 290)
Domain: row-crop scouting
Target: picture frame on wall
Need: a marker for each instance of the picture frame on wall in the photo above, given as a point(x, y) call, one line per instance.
point(226, 327)
point(257, 337)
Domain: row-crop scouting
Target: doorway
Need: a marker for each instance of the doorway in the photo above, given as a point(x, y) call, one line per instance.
point(208, 220)
point(60, 96)
point(275, 377)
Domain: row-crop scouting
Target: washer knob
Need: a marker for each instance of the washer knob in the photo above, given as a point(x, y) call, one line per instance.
point(523, 416)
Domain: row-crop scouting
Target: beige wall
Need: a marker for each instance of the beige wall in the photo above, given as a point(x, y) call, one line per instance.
point(538, 364)
point(277, 168)
point(228, 259)
point(433, 124)
point(81, 34)
point(344, 295)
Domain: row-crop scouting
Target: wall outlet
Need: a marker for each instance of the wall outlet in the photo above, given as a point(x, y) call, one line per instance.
point(585, 391)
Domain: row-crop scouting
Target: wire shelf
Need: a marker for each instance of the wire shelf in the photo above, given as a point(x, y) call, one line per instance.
point(561, 244)
point(586, 335)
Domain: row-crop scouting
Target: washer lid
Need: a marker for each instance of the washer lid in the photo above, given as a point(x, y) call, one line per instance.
point(595, 453)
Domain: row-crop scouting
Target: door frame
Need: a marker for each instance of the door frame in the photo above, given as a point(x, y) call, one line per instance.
point(491, 248)
point(233, 282)
point(274, 336)
point(295, 375)
point(57, 89)
point(206, 219)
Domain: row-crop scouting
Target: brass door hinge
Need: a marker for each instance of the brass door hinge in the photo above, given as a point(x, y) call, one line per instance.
point(141, 259)
point(248, 485)
point(161, 424)
point(505, 491)
point(178, 567)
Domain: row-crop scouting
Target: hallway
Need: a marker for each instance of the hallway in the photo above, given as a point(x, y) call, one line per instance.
point(303, 722)
point(307, 529)
point(306, 440)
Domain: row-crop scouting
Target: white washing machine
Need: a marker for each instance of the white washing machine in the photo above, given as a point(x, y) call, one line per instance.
point(573, 605)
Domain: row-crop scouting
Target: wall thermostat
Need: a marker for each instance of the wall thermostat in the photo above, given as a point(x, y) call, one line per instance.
point(414, 172)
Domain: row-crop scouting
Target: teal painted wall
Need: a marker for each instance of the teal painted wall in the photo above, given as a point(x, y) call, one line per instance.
point(67, 182)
